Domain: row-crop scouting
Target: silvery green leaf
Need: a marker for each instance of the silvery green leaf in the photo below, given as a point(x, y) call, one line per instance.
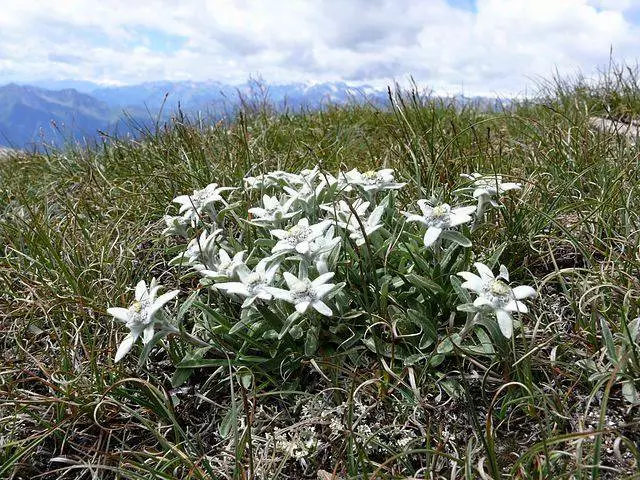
point(288, 324)
point(608, 342)
point(296, 332)
point(456, 237)
point(311, 342)
point(630, 392)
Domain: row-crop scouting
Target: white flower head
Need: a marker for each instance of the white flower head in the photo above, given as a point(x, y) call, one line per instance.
point(496, 296)
point(298, 237)
point(225, 267)
point(321, 248)
point(177, 225)
point(253, 285)
point(370, 224)
point(202, 200)
point(273, 209)
point(344, 212)
point(201, 251)
point(439, 218)
point(485, 187)
point(370, 181)
point(139, 317)
point(304, 293)
point(271, 179)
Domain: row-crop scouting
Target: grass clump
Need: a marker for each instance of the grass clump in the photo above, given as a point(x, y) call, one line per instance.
point(358, 306)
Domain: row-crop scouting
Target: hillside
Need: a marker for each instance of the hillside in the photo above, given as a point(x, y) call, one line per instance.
point(419, 291)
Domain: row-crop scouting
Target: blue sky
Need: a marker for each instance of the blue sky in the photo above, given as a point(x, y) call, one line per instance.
point(472, 46)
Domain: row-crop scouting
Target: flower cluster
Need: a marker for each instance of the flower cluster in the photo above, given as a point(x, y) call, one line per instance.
point(307, 230)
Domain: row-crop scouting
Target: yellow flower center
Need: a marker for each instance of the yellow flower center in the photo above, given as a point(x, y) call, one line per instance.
point(499, 288)
point(440, 210)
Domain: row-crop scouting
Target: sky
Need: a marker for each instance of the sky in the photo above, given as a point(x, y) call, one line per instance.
point(476, 47)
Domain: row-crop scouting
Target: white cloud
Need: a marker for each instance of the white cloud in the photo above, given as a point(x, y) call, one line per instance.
point(499, 47)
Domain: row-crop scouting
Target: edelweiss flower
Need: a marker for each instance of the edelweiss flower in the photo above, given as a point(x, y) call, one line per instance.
point(177, 225)
point(371, 181)
point(201, 251)
point(439, 218)
point(304, 293)
point(139, 317)
point(320, 249)
point(344, 213)
point(202, 200)
point(252, 285)
point(370, 224)
point(495, 295)
point(273, 209)
point(226, 267)
point(490, 184)
point(270, 179)
point(298, 237)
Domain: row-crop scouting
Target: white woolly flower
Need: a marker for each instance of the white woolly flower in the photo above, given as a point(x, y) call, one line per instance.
point(272, 210)
point(370, 224)
point(201, 251)
point(298, 237)
point(304, 293)
point(271, 179)
point(439, 218)
point(370, 181)
point(321, 248)
point(344, 212)
point(253, 285)
point(226, 267)
point(202, 200)
point(496, 296)
point(305, 194)
point(489, 185)
point(177, 225)
point(139, 317)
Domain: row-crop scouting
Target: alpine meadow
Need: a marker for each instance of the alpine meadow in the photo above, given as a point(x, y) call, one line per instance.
point(423, 290)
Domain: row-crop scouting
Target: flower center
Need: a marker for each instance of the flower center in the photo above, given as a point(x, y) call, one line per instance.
point(297, 234)
point(370, 176)
point(254, 279)
point(302, 291)
point(499, 288)
point(440, 211)
point(137, 312)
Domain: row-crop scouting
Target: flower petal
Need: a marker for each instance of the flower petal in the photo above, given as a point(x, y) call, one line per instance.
point(473, 282)
point(523, 291)
point(482, 302)
point(505, 322)
point(516, 306)
point(141, 290)
point(322, 290)
point(322, 308)
point(124, 347)
point(291, 280)
point(324, 278)
point(302, 247)
point(119, 313)
point(431, 235)
point(411, 217)
point(302, 306)
point(484, 271)
point(161, 300)
point(233, 287)
point(147, 334)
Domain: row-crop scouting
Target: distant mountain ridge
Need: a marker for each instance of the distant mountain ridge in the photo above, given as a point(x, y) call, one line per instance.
point(61, 111)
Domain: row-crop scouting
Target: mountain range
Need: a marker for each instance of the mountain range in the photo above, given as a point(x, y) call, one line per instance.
point(58, 112)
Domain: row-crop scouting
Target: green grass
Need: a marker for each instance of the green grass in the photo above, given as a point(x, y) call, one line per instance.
point(79, 228)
